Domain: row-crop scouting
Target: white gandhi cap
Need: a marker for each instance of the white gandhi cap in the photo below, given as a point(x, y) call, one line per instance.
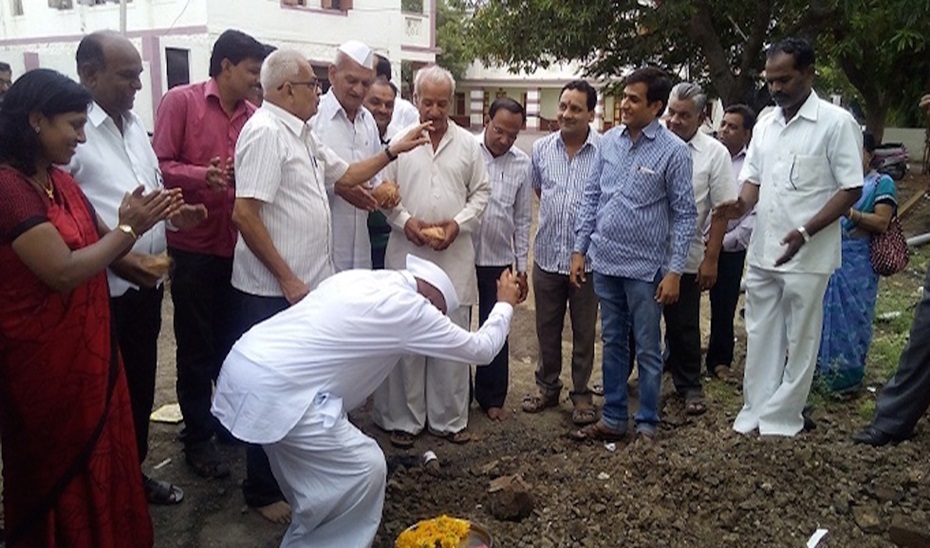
point(436, 277)
point(358, 52)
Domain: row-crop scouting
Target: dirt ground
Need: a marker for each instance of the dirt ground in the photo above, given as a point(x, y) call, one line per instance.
point(701, 485)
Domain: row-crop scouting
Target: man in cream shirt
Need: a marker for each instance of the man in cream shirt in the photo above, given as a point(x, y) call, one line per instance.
point(804, 168)
point(444, 185)
point(712, 179)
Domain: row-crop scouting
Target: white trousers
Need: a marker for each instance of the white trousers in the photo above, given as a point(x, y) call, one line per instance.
point(334, 480)
point(425, 392)
point(784, 315)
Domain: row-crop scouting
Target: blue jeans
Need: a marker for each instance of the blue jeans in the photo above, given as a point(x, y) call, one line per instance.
point(623, 300)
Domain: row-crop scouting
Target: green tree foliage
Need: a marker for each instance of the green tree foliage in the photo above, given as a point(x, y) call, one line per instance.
point(455, 50)
point(716, 42)
point(878, 47)
point(883, 48)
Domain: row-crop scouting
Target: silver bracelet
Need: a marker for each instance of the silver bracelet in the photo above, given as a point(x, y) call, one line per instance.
point(804, 234)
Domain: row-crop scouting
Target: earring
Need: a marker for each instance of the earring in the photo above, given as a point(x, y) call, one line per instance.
point(37, 128)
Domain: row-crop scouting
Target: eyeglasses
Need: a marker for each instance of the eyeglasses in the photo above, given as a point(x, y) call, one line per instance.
point(312, 84)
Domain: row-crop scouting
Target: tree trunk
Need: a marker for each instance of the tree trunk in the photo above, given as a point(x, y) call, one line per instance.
point(875, 115)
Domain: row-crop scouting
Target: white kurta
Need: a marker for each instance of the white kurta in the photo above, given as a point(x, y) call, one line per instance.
point(353, 141)
point(799, 166)
point(288, 382)
point(450, 183)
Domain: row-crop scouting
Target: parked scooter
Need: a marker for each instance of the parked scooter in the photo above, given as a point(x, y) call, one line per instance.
point(891, 159)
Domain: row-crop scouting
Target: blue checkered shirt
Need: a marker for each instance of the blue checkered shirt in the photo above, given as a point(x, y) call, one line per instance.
point(638, 202)
point(560, 182)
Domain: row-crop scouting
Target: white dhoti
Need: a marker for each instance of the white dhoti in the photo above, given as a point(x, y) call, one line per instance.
point(784, 315)
point(334, 480)
point(425, 392)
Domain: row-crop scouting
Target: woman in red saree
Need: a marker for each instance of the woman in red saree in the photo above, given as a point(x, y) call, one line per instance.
point(70, 471)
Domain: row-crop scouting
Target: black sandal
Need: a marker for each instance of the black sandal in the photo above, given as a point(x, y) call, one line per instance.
point(205, 461)
point(162, 492)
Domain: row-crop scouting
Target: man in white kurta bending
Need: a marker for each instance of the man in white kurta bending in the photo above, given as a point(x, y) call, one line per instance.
point(288, 382)
point(804, 168)
point(444, 185)
point(345, 125)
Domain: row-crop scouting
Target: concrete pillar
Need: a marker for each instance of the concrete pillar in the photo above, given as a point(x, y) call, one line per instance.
point(532, 109)
point(599, 111)
point(30, 60)
point(476, 107)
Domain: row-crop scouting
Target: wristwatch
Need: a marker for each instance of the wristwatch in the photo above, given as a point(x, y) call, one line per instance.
point(127, 229)
point(804, 233)
point(387, 152)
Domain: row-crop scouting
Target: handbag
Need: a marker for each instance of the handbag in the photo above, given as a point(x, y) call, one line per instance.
point(888, 250)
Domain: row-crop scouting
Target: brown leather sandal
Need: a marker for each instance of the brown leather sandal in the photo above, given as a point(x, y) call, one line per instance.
point(536, 403)
point(598, 431)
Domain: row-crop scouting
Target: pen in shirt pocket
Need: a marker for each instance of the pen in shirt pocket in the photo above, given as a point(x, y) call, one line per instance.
point(646, 170)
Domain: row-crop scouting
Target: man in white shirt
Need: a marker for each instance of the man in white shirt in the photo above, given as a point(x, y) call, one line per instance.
point(503, 238)
point(735, 132)
point(804, 168)
point(713, 184)
point(115, 159)
point(345, 125)
point(443, 186)
point(285, 245)
point(290, 380)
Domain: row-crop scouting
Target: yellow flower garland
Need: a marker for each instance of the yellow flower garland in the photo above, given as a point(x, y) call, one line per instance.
point(441, 532)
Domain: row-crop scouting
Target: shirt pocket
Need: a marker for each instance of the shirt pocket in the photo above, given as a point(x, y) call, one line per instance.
point(809, 174)
point(503, 190)
point(642, 187)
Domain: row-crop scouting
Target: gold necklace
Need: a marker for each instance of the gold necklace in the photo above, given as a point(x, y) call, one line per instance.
point(47, 187)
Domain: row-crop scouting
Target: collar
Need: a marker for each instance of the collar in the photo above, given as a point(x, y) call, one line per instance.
point(740, 154)
point(330, 107)
point(809, 110)
point(590, 140)
point(291, 122)
point(97, 116)
point(650, 131)
point(211, 88)
point(698, 141)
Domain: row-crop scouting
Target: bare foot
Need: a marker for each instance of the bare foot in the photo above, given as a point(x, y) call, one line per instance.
point(497, 413)
point(276, 512)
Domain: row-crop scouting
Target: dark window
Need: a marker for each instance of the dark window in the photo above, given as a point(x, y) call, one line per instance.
point(178, 65)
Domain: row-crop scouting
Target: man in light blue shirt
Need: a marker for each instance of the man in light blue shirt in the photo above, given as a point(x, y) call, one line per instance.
point(636, 222)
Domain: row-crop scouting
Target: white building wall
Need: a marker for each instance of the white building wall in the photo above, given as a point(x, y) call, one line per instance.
point(48, 37)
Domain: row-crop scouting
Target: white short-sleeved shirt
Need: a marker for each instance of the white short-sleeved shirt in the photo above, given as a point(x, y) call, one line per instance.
point(405, 115)
point(280, 163)
point(799, 166)
point(110, 164)
point(712, 176)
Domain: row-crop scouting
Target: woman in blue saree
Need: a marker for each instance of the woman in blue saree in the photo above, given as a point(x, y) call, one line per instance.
point(849, 302)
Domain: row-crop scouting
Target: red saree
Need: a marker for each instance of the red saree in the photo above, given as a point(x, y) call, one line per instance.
point(70, 472)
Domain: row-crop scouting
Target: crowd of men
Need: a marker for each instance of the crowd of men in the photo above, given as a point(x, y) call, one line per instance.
point(636, 223)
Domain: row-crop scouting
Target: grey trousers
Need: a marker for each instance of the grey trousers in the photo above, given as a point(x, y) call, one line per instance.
point(554, 293)
point(906, 397)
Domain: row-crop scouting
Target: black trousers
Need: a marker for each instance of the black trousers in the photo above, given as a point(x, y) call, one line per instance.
point(259, 488)
point(203, 328)
point(724, 297)
point(904, 400)
point(683, 337)
point(137, 317)
point(491, 380)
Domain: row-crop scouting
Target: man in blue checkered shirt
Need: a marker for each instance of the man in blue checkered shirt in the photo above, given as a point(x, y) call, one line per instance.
point(636, 221)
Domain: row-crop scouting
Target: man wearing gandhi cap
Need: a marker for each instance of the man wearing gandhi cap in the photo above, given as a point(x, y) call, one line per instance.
point(349, 129)
point(288, 382)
